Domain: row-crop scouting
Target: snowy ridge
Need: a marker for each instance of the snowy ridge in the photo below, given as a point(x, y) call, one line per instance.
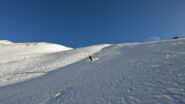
point(140, 73)
point(20, 50)
point(5, 42)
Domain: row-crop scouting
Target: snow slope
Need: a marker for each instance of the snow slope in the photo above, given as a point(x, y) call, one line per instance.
point(18, 58)
point(138, 73)
point(23, 61)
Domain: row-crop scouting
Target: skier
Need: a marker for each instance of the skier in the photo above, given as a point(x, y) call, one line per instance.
point(90, 58)
point(176, 37)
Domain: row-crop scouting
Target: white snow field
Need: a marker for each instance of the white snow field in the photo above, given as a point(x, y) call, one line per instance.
point(132, 73)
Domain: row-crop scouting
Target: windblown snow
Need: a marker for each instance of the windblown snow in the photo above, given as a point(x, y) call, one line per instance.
point(132, 73)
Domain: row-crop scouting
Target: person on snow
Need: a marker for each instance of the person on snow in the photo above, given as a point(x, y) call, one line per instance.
point(176, 37)
point(90, 58)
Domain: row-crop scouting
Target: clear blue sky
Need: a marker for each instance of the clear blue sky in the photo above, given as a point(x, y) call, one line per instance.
point(78, 23)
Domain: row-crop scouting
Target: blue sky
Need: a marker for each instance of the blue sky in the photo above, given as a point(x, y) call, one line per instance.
point(78, 23)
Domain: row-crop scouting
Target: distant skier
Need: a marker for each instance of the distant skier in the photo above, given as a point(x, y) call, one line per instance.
point(176, 37)
point(90, 58)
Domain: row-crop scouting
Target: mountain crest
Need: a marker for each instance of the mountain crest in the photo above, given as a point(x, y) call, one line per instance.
point(5, 42)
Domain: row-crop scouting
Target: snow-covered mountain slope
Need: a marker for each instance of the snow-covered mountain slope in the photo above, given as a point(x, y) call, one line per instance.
point(139, 73)
point(20, 57)
point(16, 49)
point(23, 61)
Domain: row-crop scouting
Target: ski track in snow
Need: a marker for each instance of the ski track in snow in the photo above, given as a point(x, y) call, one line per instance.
point(148, 73)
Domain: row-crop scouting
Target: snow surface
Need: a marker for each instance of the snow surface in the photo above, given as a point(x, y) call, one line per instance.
point(19, 61)
point(138, 73)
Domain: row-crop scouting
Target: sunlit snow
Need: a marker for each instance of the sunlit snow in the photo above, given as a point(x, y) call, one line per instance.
point(132, 73)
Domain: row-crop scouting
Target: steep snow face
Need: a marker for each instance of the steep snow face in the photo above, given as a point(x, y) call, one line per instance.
point(140, 73)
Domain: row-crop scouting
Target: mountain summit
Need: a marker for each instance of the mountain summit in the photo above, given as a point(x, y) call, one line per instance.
point(5, 42)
